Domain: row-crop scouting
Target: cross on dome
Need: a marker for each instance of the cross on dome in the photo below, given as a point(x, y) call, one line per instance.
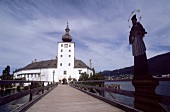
point(67, 37)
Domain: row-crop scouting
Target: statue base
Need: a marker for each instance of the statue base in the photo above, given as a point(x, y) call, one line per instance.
point(145, 97)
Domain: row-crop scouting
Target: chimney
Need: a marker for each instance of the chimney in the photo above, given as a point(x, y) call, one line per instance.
point(90, 64)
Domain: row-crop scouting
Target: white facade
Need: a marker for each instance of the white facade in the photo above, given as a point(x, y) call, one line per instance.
point(65, 63)
point(64, 67)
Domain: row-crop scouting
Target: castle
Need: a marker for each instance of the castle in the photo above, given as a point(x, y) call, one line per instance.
point(65, 67)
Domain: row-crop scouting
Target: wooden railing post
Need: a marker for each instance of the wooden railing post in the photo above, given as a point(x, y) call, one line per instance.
point(42, 87)
point(48, 86)
point(31, 87)
point(103, 90)
point(51, 85)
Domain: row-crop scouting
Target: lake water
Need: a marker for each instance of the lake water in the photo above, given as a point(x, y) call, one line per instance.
point(163, 89)
point(15, 104)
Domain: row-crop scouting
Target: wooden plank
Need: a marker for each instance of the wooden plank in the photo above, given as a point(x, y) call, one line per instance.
point(68, 99)
point(113, 102)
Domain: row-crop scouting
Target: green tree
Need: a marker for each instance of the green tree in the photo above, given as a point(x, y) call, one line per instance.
point(6, 76)
point(84, 76)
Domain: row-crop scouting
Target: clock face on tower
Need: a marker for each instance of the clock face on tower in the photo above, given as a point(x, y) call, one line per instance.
point(65, 45)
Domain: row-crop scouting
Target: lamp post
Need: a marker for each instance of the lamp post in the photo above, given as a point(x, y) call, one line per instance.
point(53, 75)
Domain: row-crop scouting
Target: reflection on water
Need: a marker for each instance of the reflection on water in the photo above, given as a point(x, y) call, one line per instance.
point(163, 89)
point(120, 98)
point(17, 103)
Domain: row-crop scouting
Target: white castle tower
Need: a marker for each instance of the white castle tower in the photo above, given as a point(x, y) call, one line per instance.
point(65, 62)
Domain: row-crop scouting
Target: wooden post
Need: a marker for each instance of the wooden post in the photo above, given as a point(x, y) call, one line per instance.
point(48, 86)
point(102, 91)
point(51, 85)
point(31, 87)
point(42, 87)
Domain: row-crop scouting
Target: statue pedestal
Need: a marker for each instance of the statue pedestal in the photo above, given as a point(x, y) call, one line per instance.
point(145, 97)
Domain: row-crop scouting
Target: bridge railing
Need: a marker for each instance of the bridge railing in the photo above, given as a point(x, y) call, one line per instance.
point(98, 88)
point(32, 88)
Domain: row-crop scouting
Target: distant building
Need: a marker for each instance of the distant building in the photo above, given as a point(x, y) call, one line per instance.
point(64, 67)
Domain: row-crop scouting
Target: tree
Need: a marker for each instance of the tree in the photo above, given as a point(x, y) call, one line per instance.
point(6, 76)
point(84, 76)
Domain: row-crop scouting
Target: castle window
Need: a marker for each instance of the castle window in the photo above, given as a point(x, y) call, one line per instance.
point(69, 64)
point(69, 45)
point(65, 72)
point(65, 45)
point(61, 56)
point(60, 64)
point(69, 50)
point(69, 55)
point(61, 50)
point(61, 45)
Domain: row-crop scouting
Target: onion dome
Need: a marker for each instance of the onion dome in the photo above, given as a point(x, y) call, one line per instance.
point(67, 37)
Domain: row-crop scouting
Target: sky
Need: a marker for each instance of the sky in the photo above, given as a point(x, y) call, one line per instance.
point(31, 29)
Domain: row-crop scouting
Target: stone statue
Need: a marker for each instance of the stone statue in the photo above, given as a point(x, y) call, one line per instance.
point(143, 81)
point(136, 36)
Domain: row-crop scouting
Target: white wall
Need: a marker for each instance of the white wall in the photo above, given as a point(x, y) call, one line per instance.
point(46, 74)
point(66, 49)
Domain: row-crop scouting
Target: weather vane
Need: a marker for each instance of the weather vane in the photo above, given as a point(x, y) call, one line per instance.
point(134, 12)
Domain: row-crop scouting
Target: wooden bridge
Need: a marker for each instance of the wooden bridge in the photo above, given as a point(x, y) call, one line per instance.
point(67, 99)
point(83, 96)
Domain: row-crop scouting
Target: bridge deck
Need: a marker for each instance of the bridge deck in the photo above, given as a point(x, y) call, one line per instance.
point(67, 99)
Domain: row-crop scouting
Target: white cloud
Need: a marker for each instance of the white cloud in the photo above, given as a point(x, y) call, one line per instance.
point(31, 30)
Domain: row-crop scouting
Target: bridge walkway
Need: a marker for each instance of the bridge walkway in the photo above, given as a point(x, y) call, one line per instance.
point(67, 99)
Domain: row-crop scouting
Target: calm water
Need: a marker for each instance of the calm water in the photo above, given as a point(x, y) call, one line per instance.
point(163, 89)
point(15, 104)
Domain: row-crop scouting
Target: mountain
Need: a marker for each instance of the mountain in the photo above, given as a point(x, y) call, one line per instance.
point(158, 65)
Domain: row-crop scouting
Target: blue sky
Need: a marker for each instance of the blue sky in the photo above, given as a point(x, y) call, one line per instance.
point(31, 29)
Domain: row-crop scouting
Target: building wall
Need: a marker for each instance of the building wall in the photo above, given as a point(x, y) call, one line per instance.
point(46, 74)
point(65, 61)
point(43, 74)
point(65, 67)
